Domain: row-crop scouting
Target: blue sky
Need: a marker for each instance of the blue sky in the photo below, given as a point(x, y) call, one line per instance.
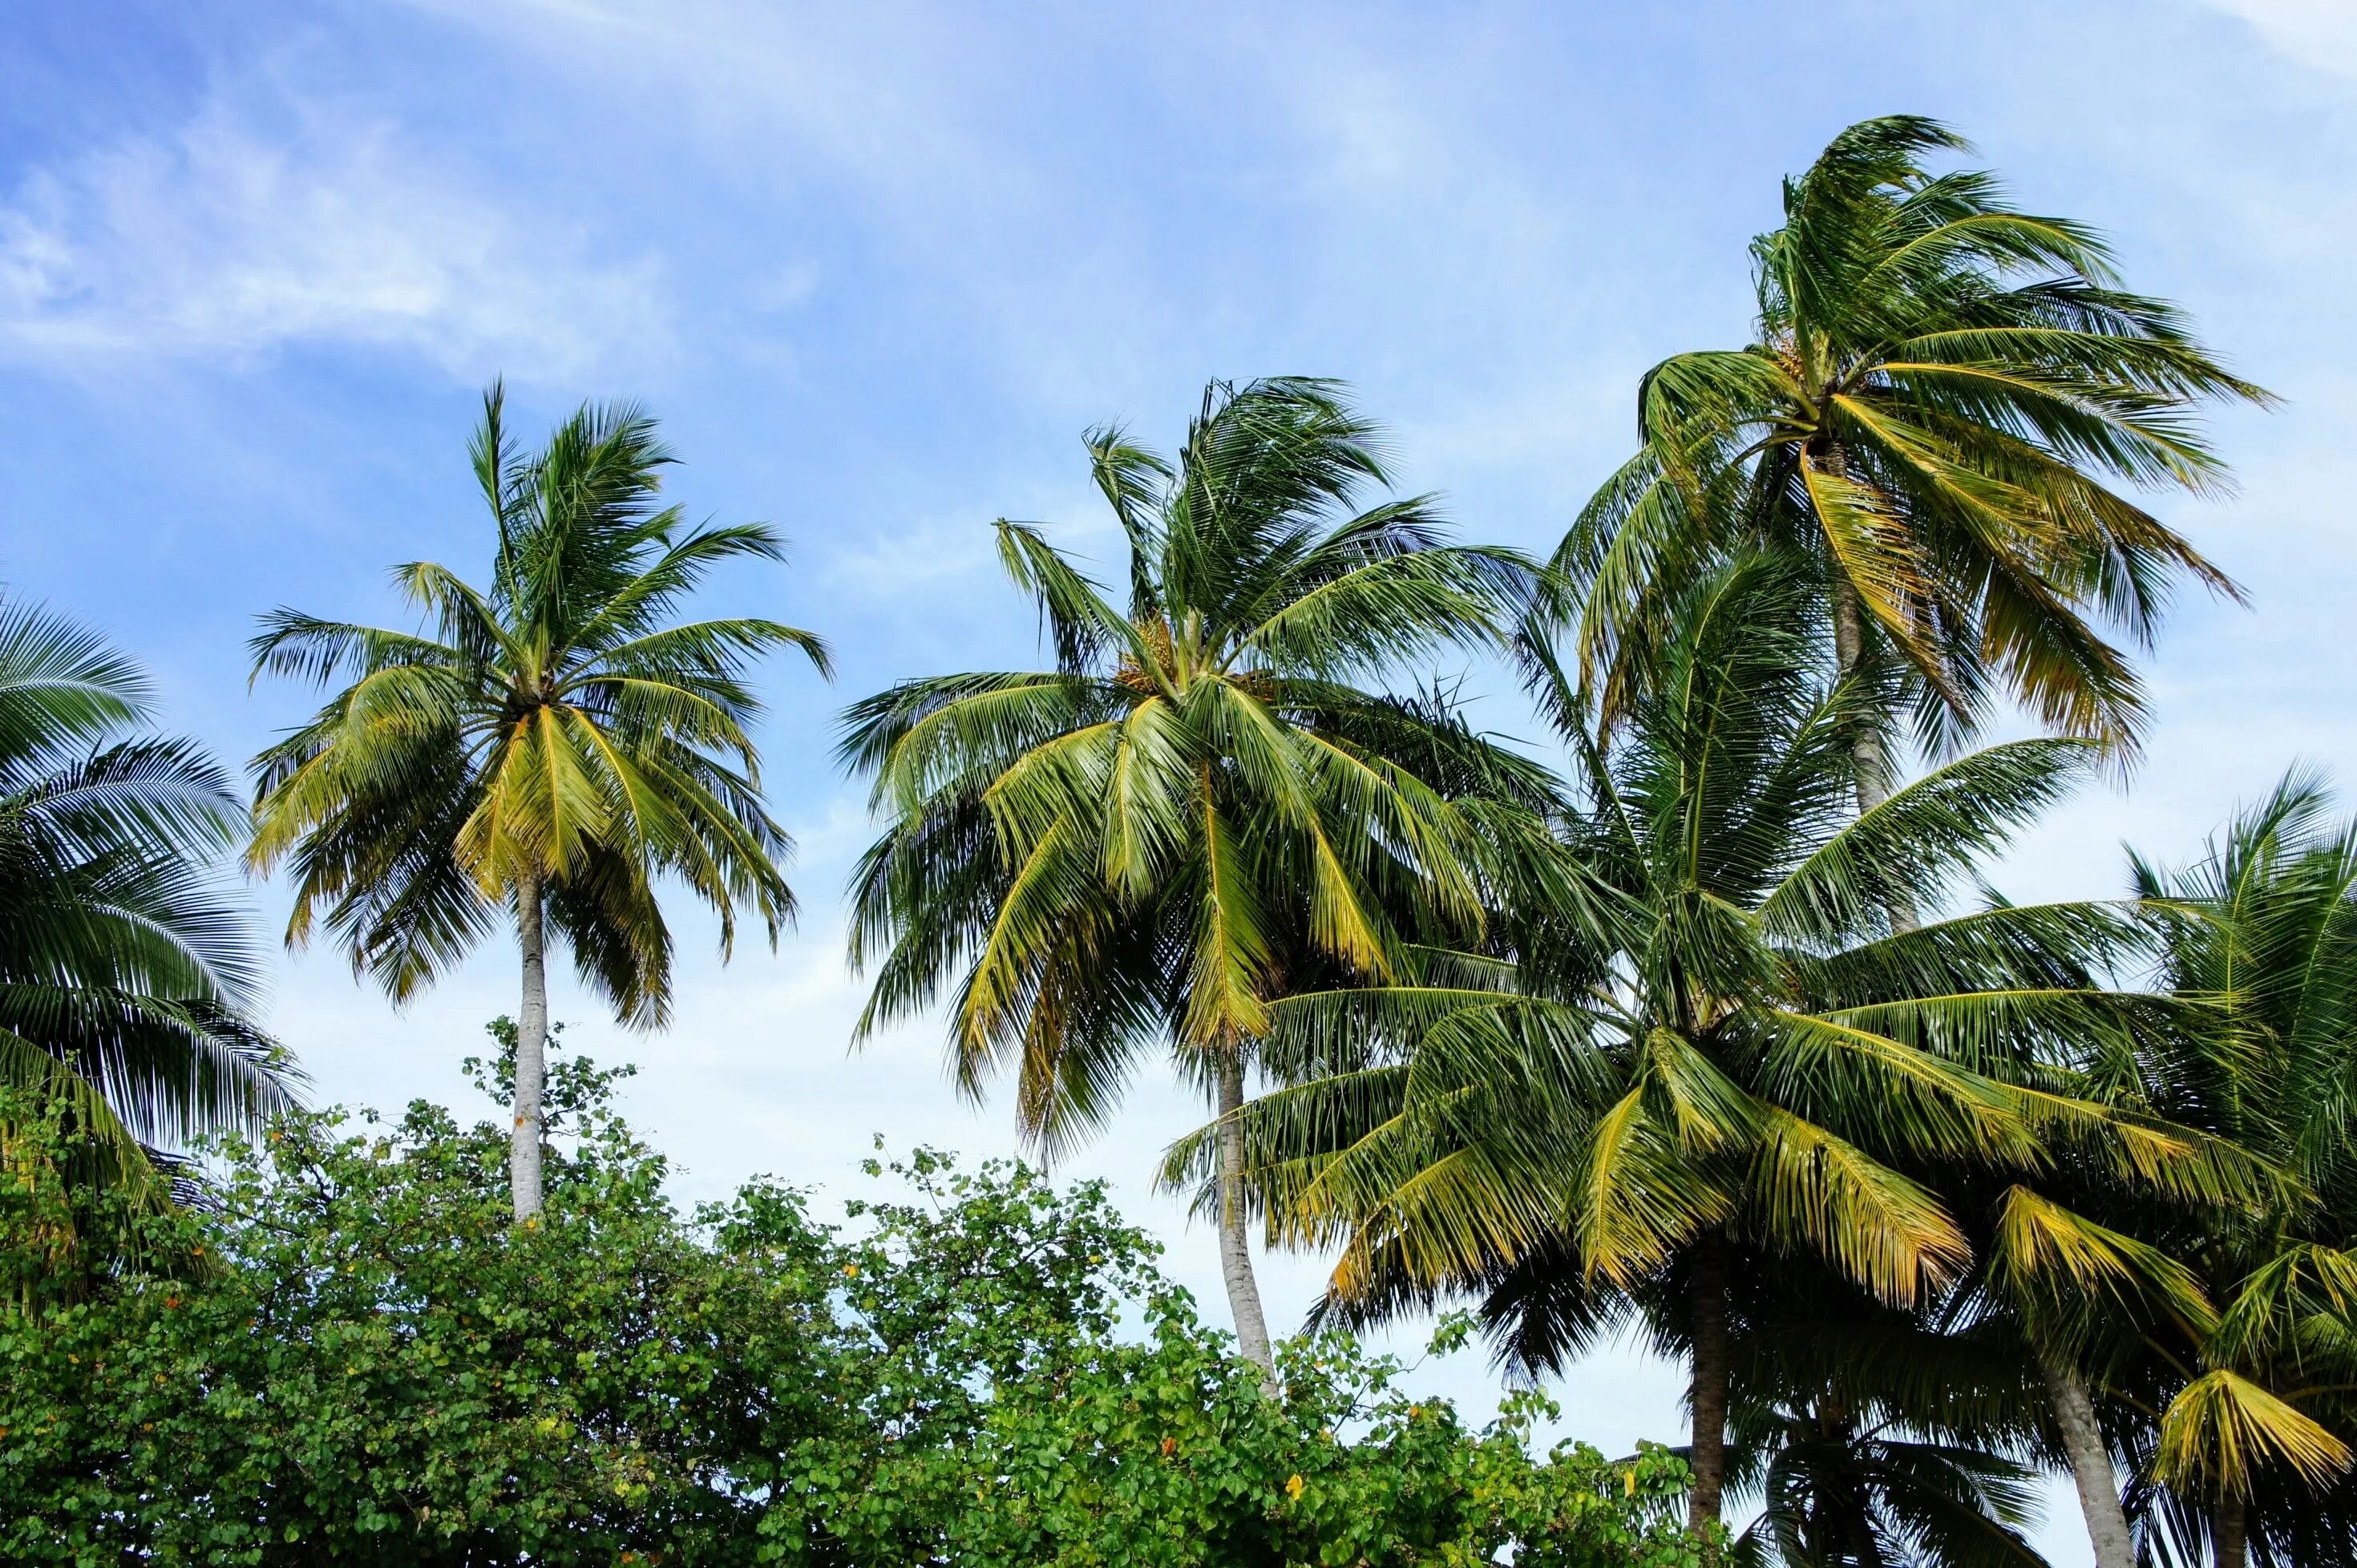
point(877, 267)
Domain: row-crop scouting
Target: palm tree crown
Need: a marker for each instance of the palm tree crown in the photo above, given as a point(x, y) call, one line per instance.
point(1943, 395)
point(2257, 1429)
point(1196, 808)
point(553, 746)
point(128, 977)
point(1861, 1490)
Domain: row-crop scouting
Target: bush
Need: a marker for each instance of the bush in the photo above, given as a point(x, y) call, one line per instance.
point(349, 1354)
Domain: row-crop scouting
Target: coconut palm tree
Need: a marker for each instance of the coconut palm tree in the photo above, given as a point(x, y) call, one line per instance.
point(2210, 1347)
point(1705, 1053)
point(1197, 808)
point(1942, 402)
point(1869, 1434)
point(544, 751)
point(1844, 1489)
point(2251, 1452)
point(129, 976)
point(2070, 1281)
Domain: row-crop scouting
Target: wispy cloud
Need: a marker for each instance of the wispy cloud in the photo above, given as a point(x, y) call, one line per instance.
point(258, 225)
point(2314, 32)
point(885, 94)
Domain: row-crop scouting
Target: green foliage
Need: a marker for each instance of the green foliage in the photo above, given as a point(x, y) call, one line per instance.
point(1923, 1204)
point(1710, 1028)
point(1705, 1054)
point(1197, 810)
point(128, 973)
point(559, 731)
point(350, 1354)
point(1138, 848)
point(1943, 404)
point(2257, 1404)
point(1836, 1489)
point(556, 747)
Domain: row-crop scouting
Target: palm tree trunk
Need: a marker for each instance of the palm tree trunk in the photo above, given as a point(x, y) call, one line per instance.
point(2090, 1462)
point(2231, 1533)
point(1869, 761)
point(1872, 768)
point(532, 1052)
point(1709, 1461)
point(1235, 1244)
point(1864, 1548)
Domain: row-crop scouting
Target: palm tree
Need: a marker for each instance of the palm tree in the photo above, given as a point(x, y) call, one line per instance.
point(547, 749)
point(128, 977)
point(1869, 1436)
point(2257, 1424)
point(1842, 1490)
point(2069, 1279)
point(1195, 809)
point(1942, 395)
point(1706, 1054)
point(2213, 1348)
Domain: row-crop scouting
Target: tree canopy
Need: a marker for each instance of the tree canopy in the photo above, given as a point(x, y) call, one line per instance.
point(350, 1353)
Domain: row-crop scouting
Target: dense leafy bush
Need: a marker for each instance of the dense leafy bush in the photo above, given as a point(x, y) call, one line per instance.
point(351, 1355)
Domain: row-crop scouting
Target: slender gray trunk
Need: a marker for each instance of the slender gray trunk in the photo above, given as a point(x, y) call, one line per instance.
point(1873, 769)
point(1869, 761)
point(2090, 1462)
point(1235, 1242)
point(2232, 1529)
point(532, 1052)
point(1708, 1286)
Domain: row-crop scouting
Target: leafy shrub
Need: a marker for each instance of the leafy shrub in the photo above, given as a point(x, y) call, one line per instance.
point(349, 1354)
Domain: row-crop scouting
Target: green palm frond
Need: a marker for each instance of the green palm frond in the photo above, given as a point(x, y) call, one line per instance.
point(2058, 1259)
point(1692, 1028)
point(1196, 789)
point(2224, 1428)
point(1922, 837)
point(130, 984)
point(2255, 1408)
point(1946, 401)
point(558, 726)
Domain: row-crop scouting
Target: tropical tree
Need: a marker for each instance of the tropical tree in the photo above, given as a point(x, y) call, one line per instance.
point(1197, 809)
point(2257, 1424)
point(981, 1370)
point(1838, 1487)
point(546, 749)
point(1942, 405)
point(1707, 1056)
point(129, 976)
point(1871, 1435)
point(2074, 1279)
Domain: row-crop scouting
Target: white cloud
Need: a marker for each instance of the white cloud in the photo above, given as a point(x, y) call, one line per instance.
point(2314, 32)
point(883, 92)
point(247, 230)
